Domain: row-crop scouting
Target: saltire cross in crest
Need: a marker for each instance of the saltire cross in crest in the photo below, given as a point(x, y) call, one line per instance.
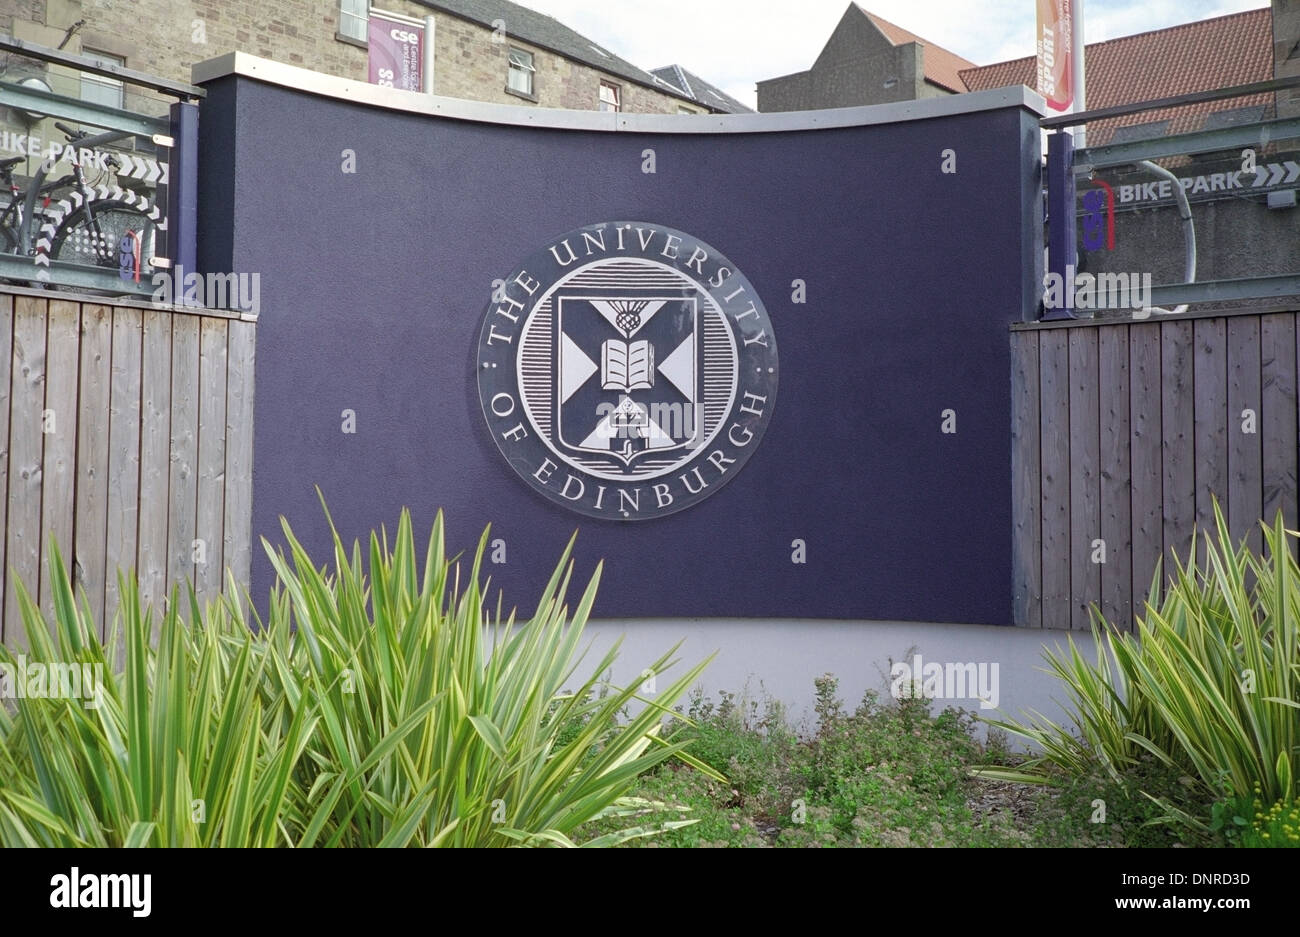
point(628, 371)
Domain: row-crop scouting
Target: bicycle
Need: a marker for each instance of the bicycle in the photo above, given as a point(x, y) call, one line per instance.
point(97, 225)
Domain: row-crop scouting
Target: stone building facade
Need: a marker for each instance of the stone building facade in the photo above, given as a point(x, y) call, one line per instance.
point(867, 60)
point(473, 43)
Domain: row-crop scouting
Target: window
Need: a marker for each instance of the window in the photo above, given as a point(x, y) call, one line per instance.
point(609, 97)
point(354, 16)
point(519, 78)
point(100, 89)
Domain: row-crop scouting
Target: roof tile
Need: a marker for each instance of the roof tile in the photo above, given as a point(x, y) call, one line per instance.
point(1216, 53)
point(942, 67)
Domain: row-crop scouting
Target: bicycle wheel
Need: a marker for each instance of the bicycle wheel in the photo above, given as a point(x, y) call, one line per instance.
point(96, 239)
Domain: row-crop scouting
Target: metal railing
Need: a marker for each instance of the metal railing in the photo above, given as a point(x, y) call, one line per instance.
point(100, 166)
point(1208, 216)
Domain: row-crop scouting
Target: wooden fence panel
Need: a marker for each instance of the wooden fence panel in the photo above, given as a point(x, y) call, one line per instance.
point(1245, 462)
point(126, 433)
point(93, 421)
point(1116, 475)
point(1085, 482)
point(155, 456)
point(123, 454)
point(209, 567)
point(1277, 417)
point(238, 522)
point(1211, 434)
point(1054, 362)
point(58, 486)
point(183, 482)
point(26, 458)
point(1146, 438)
point(1177, 412)
point(1164, 417)
point(1026, 490)
point(6, 368)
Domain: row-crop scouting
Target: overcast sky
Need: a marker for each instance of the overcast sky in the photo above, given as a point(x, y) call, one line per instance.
point(735, 43)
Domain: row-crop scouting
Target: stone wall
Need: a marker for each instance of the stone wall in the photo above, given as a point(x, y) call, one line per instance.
point(166, 37)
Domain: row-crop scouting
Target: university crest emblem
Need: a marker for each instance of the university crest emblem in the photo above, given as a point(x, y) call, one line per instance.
point(626, 370)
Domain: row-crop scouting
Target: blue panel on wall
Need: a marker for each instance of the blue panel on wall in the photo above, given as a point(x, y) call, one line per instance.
point(374, 284)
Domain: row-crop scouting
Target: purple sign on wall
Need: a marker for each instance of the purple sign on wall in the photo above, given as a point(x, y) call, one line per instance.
point(396, 52)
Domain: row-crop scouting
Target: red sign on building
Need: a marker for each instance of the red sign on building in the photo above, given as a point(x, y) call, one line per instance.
point(1055, 56)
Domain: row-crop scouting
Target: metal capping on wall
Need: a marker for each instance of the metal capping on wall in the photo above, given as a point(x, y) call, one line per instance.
point(345, 89)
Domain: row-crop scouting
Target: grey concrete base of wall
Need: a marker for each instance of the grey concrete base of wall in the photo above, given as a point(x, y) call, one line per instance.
point(781, 659)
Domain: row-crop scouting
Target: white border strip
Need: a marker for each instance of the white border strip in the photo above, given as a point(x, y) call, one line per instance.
point(359, 92)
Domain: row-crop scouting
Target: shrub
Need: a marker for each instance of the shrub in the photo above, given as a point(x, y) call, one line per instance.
point(379, 707)
point(1208, 686)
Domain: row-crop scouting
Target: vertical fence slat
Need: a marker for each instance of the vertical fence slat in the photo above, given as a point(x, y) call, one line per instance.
point(1054, 412)
point(1146, 434)
point(155, 456)
point(184, 454)
point(123, 453)
point(1211, 434)
point(91, 527)
point(238, 521)
point(1177, 413)
point(211, 459)
point(6, 362)
point(1085, 483)
point(1277, 418)
point(1027, 603)
point(26, 456)
point(1116, 476)
point(59, 470)
point(1245, 469)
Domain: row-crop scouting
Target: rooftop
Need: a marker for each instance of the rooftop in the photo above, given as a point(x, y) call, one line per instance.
point(1215, 53)
point(549, 33)
point(942, 67)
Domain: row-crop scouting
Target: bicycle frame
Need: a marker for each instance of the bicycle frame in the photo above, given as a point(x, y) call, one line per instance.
point(24, 230)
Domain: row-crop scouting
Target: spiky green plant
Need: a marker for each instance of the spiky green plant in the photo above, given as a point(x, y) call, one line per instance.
point(179, 748)
point(1210, 683)
point(445, 723)
point(376, 707)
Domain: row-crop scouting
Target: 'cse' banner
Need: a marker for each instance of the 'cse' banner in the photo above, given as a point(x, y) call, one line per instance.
point(1055, 45)
point(396, 52)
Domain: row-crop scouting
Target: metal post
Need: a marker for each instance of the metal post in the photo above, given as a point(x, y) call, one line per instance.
point(183, 192)
point(429, 33)
point(1078, 78)
point(1060, 214)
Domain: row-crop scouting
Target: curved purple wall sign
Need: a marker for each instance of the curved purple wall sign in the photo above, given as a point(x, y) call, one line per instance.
point(626, 370)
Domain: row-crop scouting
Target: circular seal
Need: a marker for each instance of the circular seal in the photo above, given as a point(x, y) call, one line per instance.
point(626, 370)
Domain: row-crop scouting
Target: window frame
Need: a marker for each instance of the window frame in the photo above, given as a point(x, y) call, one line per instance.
point(349, 15)
point(103, 82)
point(618, 97)
point(526, 68)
